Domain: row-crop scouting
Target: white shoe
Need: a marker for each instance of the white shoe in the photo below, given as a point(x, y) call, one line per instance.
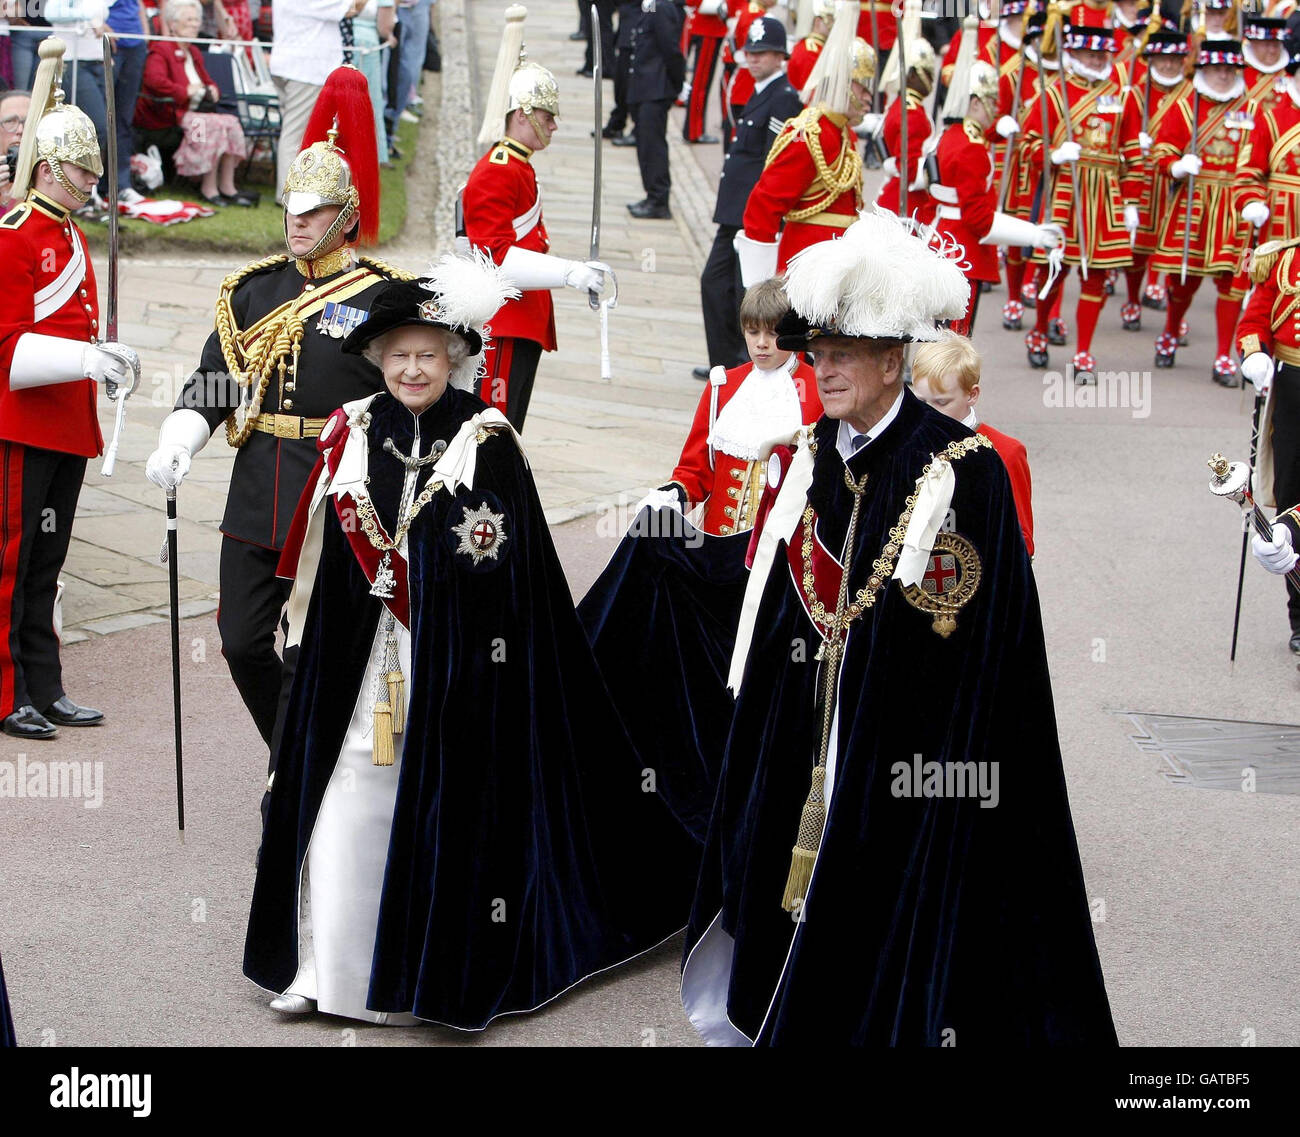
point(293, 1004)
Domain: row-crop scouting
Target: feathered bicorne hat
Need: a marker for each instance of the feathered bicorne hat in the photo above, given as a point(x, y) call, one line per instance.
point(459, 294)
point(885, 278)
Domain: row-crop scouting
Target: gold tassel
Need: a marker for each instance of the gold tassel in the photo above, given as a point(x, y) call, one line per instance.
point(804, 853)
point(397, 699)
point(383, 738)
point(1262, 262)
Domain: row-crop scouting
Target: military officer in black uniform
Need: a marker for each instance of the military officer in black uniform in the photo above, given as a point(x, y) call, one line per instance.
point(656, 71)
point(774, 100)
point(272, 372)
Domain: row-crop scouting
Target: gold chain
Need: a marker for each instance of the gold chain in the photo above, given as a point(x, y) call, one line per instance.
point(374, 531)
point(845, 174)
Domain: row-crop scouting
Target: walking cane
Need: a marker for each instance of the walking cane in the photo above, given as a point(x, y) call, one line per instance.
point(168, 556)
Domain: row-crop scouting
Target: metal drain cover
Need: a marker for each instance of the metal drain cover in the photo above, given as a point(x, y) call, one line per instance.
point(1222, 754)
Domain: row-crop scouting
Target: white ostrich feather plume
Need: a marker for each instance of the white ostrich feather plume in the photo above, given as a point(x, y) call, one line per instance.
point(470, 289)
point(885, 277)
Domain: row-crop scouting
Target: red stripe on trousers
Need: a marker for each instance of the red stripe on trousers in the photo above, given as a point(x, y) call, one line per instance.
point(695, 109)
point(11, 535)
point(496, 361)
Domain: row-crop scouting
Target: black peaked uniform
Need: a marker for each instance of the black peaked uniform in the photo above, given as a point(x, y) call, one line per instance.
point(656, 71)
point(271, 469)
point(720, 287)
point(627, 16)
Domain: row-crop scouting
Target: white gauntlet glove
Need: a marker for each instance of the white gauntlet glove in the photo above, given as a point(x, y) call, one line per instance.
point(1066, 152)
point(586, 276)
point(1131, 218)
point(1258, 368)
point(1277, 555)
point(113, 363)
point(1145, 141)
point(183, 434)
point(1007, 126)
point(1256, 213)
point(1187, 164)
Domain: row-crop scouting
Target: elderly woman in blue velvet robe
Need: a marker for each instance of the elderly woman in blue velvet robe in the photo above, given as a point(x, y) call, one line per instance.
point(459, 827)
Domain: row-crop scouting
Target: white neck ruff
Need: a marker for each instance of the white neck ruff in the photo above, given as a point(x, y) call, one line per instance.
point(763, 413)
point(1248, 50)
point(1206, 92)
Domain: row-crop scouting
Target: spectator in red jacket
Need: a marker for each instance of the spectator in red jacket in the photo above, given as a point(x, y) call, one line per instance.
point(946, 374)
point(178, 91)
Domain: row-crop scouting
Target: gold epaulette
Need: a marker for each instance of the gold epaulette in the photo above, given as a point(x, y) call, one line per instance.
point(1265, 257)
point(805, 122)
point(392, 272)
point(975, 132)
point(16, 216)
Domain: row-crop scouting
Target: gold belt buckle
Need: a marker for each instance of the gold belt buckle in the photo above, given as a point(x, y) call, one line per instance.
point(288, 426)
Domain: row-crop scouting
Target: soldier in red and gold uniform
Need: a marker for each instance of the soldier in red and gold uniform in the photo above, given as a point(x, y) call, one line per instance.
point(886, 24)
point(966, 195)
point(50, 362)
point(921, 64)
point(1267, 181)
point(989, 44)
point(1090, 154)
point(805, 53)
point(1198, 147)
point(503, 216)
point(742, 414)
point(703, 34)
point(1268, 338)
point(1145, 184)
point(811, 187)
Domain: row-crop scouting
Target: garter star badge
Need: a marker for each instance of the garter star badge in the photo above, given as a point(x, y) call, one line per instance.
point(949, 583)
point(482, 533)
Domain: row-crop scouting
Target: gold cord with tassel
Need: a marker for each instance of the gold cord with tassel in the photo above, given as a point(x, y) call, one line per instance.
point(382, 750)
point(812, 821)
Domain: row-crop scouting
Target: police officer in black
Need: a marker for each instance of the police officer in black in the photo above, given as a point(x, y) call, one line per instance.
point(272, 372)
point(774, 100)
point(627, 17)
point(656, 72)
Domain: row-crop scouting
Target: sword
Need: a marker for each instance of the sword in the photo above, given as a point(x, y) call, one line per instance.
point(1015, 113)
point(593, 298)
point(110, 321)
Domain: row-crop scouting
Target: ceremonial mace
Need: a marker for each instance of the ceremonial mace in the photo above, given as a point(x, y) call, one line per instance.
point(168, 557)
point(593, 298)
point(110, 321)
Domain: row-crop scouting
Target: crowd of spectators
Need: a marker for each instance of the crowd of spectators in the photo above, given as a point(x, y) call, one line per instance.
point(165, 92)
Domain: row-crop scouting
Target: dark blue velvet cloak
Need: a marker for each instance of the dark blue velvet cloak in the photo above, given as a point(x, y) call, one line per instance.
point(7, 1035)
point(519, 795)
point(662, 621)
point(928, 921)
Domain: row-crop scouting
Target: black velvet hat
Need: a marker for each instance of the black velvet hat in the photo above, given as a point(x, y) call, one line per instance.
point(408, 303)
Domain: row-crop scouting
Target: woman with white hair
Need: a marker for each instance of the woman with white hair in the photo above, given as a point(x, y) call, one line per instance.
point(459, 827)
point(178, 91)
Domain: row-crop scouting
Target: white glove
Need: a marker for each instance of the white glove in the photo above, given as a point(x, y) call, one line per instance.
point(1256, 213)
point(586, 276)
point(659, 499)
point(1187, 164)
point(870, 125)
point(1145, 141)
point(1066, 152)
point(113, 363)
point(1007, 126)
point(1259, 369)
point(889, 167)
point(757, 259)
point(1131, 218)
point(183, 434)
point(531, 272)
point(1012, 231)
point(1050, 236)
point(1277, 555)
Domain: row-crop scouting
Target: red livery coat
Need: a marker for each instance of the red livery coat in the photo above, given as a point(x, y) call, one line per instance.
point(730, 487)
point(988, 47)
point(1023, 179)
point(1267, 89)
point(919, 128)
point(1095, 115)
point(791, 184)
point(966, 167)
point(502, 208)
point(48, 287)
point(1269, 170)
point(1145, 182)
point(1016, 459)
point(886, 25)
point(1218, 234)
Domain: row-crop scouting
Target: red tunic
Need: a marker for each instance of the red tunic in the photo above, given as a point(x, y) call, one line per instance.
point(732, 487)
point(1023, 180)
point(968, 196)
point(1144, 182)
point(1218, 235)
point(742, 85)
point(1095, 113)
point(792, 189)
point(1267, 89)
point(886, 25)
point(988, 45)
point(919, 128)
point(705, 27)
point(48, 287)
point(503, 208)
point(802, 60)
point(1014, 457)
point(1271, 320)
point(1270, 170)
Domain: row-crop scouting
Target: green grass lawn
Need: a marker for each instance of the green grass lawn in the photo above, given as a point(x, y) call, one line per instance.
point(259, 230)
